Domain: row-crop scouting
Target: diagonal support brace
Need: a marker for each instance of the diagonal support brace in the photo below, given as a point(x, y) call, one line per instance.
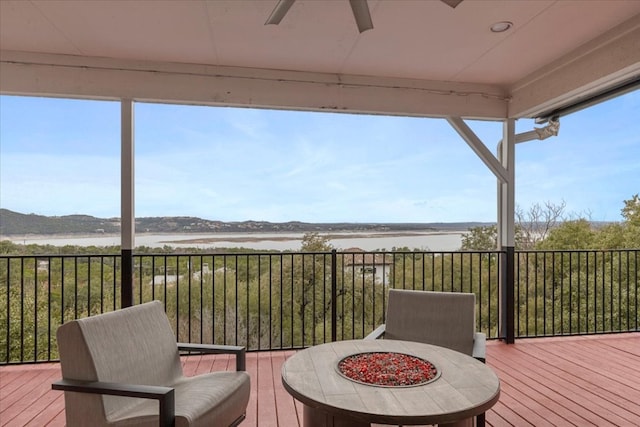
point(479, 148)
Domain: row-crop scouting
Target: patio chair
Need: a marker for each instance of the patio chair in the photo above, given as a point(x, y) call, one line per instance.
point(115, 365)
point(445, 319)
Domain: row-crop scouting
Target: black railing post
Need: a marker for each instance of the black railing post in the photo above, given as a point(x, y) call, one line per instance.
point(334, 295)
point(509, 286)
point(126, 278)
point(506, 295)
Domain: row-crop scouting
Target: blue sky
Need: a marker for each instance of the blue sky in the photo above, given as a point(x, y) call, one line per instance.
point(61, 156)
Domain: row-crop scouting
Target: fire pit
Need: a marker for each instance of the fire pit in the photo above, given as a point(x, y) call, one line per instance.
point(387, 369)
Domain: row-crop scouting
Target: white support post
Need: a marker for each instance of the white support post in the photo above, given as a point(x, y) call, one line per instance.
point(127, 214)
point(506, 231)
point(506, 193)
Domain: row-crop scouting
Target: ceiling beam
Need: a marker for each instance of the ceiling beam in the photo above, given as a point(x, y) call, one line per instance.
point(23, 73)
point(605, 62)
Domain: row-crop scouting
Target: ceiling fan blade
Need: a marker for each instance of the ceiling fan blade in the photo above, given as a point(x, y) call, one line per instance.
point(360, 10)
point(279, 12)
point(452, 3)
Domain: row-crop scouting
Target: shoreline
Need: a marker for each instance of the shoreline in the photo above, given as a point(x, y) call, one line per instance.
point(235, 236)
point(288, 236)
point(365, 240)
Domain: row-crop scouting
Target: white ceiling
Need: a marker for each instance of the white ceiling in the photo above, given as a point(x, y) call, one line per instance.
point(419, 52)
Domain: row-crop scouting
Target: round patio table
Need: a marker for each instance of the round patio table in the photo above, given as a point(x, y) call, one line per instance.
point(465, 388)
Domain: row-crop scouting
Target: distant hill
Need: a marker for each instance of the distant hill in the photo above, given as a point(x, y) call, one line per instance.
point(12, 223)
point(15, 223)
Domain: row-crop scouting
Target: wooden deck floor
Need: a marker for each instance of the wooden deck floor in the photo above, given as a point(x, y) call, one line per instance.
point(564, 381)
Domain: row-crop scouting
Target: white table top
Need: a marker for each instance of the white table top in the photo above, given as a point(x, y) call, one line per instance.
point(465, 388)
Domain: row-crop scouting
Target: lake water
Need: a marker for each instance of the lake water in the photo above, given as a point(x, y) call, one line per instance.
point(368, 241)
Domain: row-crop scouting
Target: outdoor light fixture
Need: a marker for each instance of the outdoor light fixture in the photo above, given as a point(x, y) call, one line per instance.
point(501, 27)
point(360, 10)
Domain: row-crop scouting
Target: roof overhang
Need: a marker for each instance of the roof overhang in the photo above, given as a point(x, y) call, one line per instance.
point(536, 71)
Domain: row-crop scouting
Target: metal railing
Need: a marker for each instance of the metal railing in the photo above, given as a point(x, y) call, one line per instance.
point(288, 300)
point(576, 292)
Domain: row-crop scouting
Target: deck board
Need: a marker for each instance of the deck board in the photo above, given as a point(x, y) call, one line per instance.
point(578, 389)
point(561, 381)
point(581, 380)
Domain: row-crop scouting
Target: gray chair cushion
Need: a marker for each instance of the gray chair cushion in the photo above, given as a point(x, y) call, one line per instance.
point(215, 399)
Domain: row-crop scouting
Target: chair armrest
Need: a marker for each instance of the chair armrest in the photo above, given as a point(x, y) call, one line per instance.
point(164, 395)
point(480, 346)
point(377, 333)
point(239, 351)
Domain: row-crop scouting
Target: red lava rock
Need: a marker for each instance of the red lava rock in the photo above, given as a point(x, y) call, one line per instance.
point(387, 369)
